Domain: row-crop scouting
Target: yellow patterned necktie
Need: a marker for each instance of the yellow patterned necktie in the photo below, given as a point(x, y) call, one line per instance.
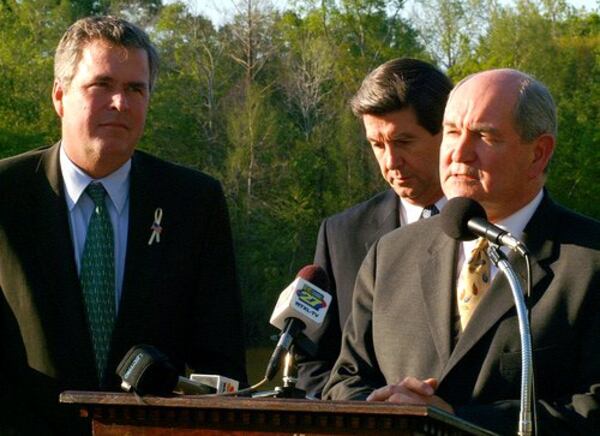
point(473, 281)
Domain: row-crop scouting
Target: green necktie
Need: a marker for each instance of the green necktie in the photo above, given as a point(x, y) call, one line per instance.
point(98, 277)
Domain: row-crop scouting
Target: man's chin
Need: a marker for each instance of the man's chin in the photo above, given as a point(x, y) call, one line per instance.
point(108, 147)
point(462, 189)
point(405, 193)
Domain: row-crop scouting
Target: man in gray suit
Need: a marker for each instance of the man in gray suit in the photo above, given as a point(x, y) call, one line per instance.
point(401, 104)
point(159, 268)
point(406, 342)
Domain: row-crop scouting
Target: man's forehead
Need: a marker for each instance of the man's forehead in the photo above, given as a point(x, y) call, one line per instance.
point(481, 100)
point(395, 123)
point(102, 47)
point(98, 58)
point(496, 85)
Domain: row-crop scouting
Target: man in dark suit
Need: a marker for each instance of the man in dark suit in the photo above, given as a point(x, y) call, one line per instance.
point(401, 104)
point(169, 276)
point(410, 338)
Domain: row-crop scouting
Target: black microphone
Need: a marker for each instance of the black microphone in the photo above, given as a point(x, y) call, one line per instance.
point(300, 314)
point(464, 219)
point(146, 370)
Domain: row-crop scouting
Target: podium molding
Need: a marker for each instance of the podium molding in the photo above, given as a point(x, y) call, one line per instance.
point(123, 413)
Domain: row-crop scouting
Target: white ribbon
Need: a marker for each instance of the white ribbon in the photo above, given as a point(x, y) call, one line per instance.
point(156, 228)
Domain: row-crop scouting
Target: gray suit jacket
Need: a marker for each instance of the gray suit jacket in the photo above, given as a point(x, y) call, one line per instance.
point(401, 325)
point(343, 242)
point(180, 295)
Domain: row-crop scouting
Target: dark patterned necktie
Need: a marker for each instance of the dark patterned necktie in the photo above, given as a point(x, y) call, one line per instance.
point(429, 211)
point(98, 277)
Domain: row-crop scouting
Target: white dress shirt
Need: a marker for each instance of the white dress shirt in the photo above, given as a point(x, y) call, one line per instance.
point(410, 213)
point(514, 224)
point(81, 206)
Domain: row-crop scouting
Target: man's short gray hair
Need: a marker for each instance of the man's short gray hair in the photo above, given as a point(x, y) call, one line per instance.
point(106, 28)
point(535, 110)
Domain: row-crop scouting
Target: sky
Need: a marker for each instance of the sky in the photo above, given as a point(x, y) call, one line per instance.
point(219, 10)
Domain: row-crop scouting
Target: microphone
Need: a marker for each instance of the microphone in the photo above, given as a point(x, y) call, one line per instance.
point(464, 219)
point(300, 314)
point(146, 370)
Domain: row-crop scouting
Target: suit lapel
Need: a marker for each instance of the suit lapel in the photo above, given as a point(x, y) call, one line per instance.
point(499, 299)
point(385, 218)
point(64, 306)
point(496, 302)
point(437, 303)
point(539, 238)
point(142, 261)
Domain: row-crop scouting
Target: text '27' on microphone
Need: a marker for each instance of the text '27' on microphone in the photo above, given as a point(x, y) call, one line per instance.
point(300, 314)
point(464, 219)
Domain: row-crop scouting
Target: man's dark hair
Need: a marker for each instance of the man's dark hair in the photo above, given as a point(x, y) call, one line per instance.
point(405, 83)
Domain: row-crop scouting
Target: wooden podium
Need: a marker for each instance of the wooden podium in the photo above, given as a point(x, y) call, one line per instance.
point(126, 414)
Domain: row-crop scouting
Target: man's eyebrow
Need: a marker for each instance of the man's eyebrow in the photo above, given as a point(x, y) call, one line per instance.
point(477, 127)
point(484, 128)
point(102, 78)
point(402, 135)
point(138, 84)
point(449, 123)
point(110, 79)
point(394, 137)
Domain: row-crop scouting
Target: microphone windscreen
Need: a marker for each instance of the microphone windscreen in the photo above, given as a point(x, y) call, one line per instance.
point(146, 370)
point(455, 217)
point(316, 275)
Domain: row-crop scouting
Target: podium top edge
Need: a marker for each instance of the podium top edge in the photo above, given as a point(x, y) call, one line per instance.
point(95, 399)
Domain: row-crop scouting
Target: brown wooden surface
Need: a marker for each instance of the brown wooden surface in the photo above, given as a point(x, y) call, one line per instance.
point(127, 414)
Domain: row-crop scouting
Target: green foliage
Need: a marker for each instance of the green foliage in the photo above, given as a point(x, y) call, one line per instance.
point(560, 47)
point(262, 102)
point(575, 170)
point(28, 35)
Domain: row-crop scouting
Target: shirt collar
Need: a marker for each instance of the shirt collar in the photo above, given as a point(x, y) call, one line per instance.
point(413, 212)
point(441, 203)
point(515, 223)
point(76, 180)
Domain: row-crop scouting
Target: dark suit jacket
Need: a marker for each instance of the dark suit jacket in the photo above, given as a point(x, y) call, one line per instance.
point(342, 244)
point(401, 325)
point(180, 295)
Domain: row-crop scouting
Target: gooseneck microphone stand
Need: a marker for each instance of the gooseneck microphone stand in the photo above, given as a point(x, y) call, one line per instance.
point(525, 414)
point(289, 380)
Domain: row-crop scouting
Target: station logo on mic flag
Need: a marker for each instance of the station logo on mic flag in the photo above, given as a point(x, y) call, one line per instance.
point(309, 300)
point(312, 297)
point(304, 301)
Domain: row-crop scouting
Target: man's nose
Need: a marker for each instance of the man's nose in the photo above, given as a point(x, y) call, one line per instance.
point(464, 148)
point(119, 101)
point(392, 157)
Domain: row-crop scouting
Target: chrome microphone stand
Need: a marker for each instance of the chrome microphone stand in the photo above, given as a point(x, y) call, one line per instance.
point(525, 414)
point(289, 380)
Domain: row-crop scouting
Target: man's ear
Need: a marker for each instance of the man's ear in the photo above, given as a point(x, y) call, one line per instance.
point(57, 97)
point(543, 148)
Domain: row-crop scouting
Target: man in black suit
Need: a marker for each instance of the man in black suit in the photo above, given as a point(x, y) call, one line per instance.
point(401, 104)
point(163, 273)
point(415, 336)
